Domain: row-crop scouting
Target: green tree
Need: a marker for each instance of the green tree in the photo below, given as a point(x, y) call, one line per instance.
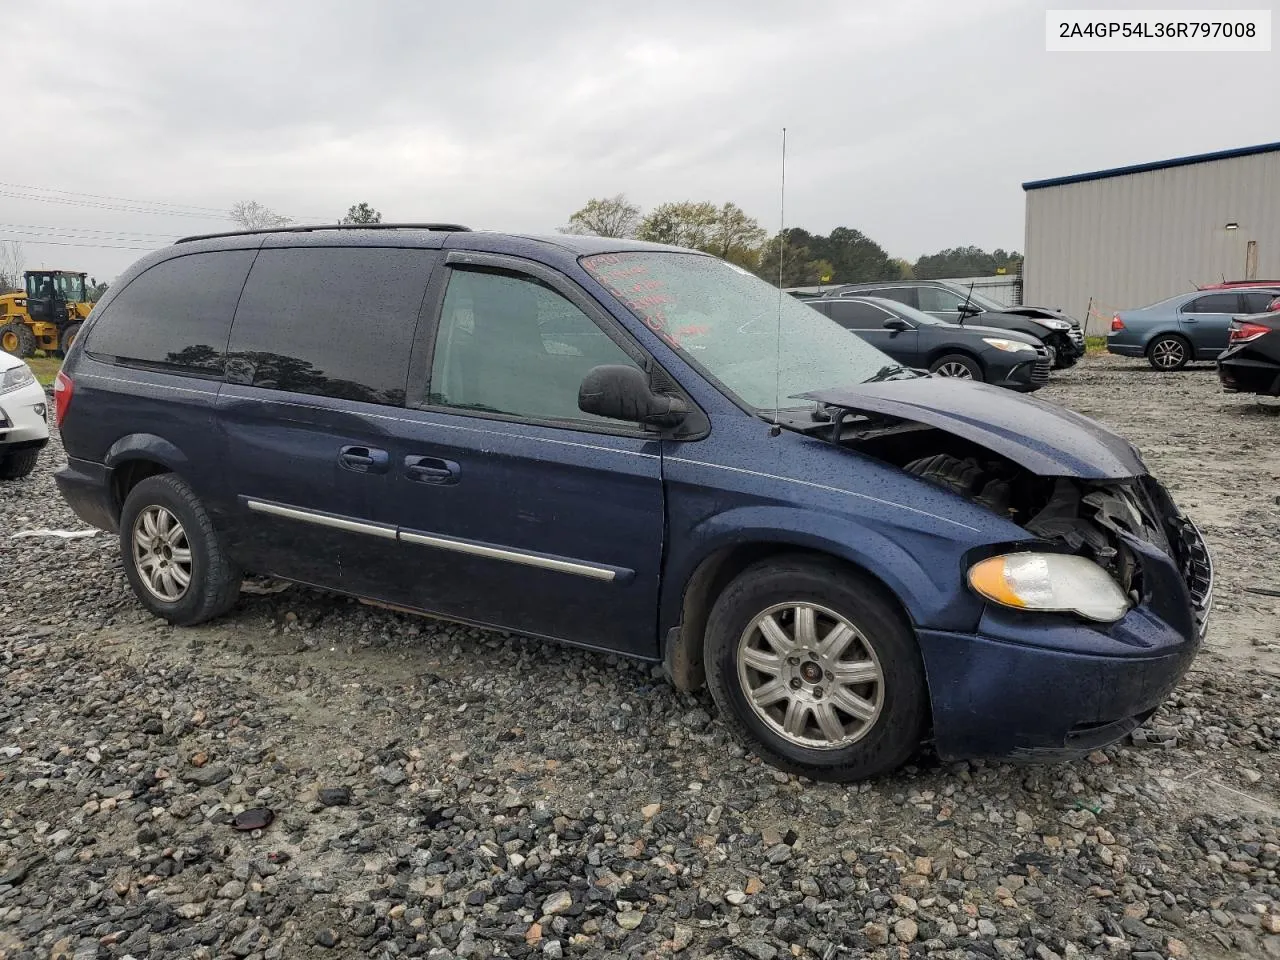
point(362, 213)
point(967, 261)
point(855, 256)
point(94, 290)
point(684, 224)
point(801, 267)
point(614, 216)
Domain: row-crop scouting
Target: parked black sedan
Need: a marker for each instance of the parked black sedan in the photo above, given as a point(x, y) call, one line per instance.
point(1251, 362)
point(1005, 358)
point(956, 304)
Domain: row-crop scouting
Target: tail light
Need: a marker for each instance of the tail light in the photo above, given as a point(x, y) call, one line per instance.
point(1116, 323)
point(63, 388)
point(1244, 332)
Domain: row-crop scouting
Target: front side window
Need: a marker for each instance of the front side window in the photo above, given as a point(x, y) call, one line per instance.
point(508, 344)
point(71, 287)
point(763, 346)
point(939, 300)
point(176, 315)
point(1214, 303)
point(330, 321)
point(39, 285)
point(856, 315)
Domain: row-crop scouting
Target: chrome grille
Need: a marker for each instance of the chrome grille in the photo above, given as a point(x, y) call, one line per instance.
point(1197, 569)
point(1076, 335)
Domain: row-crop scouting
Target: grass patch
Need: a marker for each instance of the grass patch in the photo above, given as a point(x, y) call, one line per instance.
point(45, 368)
point(1096, 344)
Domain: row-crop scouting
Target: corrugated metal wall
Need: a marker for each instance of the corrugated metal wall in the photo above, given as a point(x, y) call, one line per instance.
point(1130, 240)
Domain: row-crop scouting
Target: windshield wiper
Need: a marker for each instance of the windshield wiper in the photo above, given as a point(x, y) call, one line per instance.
point(889, 372)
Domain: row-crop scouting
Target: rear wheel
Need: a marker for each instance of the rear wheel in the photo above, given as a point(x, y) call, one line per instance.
point(173, 557)
point(957, 365)
point(17, 339)
point(68, 337)
point(1169, 352)
point(16, 464)
point(815, 670)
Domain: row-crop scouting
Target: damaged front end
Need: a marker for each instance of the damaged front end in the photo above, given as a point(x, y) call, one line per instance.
point(1062, 478)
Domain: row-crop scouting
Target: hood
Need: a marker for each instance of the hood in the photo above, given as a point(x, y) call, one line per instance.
point(1044, 438)
point(1003, 334)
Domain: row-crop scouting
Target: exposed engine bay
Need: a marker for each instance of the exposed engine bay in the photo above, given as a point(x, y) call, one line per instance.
point(1090, 517)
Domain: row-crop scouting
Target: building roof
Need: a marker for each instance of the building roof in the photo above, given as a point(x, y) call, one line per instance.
point(1154, 165)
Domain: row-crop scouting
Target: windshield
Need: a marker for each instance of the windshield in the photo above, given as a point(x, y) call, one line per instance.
point(70, 287)
point(729, 323)
point(977, 299)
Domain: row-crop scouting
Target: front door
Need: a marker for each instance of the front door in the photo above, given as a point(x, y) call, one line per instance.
point(515, 509)
point(41, 297)
point(1205, 321)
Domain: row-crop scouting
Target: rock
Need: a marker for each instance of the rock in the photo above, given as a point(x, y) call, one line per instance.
point(779, 853)
point(986, 928)
point(334, 796)
point(206, 776)
point(1024, 821)
point(681, 937)
point(650, 810)
point(736, 897)
point(906, 930)
point(877, 934)
point(629, 919)
point(754, 886)
point(1177, 949)
point(557, 903)
point(758, 949)
point(327, 937)
point(553, 949)
point(1253, 776)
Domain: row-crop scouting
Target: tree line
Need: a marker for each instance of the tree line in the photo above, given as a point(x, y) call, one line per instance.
point(845, 255)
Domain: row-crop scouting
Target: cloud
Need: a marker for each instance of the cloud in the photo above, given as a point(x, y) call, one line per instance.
point(914, 122)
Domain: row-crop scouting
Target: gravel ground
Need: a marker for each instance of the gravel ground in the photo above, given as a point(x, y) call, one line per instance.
point(443, 792)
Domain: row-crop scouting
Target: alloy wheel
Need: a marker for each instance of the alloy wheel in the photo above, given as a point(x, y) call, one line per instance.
point(954, 369)
point(1168, 353)
point(810, 675)
point(162, 553)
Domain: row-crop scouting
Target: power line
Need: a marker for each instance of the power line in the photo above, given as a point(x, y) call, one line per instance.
point(51, 230)
point(109, 206)
point(102, 196)
point(63, 243)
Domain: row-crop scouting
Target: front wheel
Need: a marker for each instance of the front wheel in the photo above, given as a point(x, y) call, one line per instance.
point(16, 338)
point(17, 464)
point(815, 670)
point(173, 557)
point(957, 365)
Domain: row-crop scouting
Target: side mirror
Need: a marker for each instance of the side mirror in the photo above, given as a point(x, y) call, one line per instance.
point(623, 393)
point(968, 310)
point(896, 323)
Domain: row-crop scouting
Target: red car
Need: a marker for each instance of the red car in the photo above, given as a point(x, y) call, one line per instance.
point(1228, 284)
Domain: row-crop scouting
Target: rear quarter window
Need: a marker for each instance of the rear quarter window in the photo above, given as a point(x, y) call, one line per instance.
point(176, 315)
point(330, 321)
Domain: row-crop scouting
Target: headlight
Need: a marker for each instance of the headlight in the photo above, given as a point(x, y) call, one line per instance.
point(1055, 324)
point(15, 378)
point(1009, 346)
point(1051, 582)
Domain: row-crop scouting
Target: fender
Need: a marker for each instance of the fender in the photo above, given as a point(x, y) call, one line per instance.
point(928, 596)
point(146, 446)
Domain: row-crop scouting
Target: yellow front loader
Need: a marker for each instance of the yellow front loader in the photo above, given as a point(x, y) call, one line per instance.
point(46, 316)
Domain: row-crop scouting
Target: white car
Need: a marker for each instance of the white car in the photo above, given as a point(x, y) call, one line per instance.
point(24, 418)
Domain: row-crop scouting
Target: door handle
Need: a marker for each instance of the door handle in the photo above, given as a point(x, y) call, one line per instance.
point(363, 459)
point(1190, 319)
point(431, 470)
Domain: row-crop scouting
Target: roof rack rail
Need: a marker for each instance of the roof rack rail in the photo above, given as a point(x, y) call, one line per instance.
point(308, 228)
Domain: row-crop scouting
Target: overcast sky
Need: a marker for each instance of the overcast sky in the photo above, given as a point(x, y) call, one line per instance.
point(914, 121)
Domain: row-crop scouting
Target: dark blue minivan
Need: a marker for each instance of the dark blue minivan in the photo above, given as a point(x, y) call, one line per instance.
point(637, 449)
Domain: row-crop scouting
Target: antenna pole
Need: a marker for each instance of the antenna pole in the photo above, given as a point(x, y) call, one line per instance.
point(782, 246)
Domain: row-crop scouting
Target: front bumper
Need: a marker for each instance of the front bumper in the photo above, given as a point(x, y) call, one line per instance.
point(24, 417)
point(1043, 686)
point(1025, 373)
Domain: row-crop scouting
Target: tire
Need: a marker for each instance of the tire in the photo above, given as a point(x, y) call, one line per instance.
point(893, 707)
point(18, 463)
point(1169, 352)
point(17, 339)
point(67, 337)
point(213, 581)
point(957, 362)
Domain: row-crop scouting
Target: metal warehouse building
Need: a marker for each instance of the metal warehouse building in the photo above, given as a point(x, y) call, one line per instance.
point(1132, 235)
